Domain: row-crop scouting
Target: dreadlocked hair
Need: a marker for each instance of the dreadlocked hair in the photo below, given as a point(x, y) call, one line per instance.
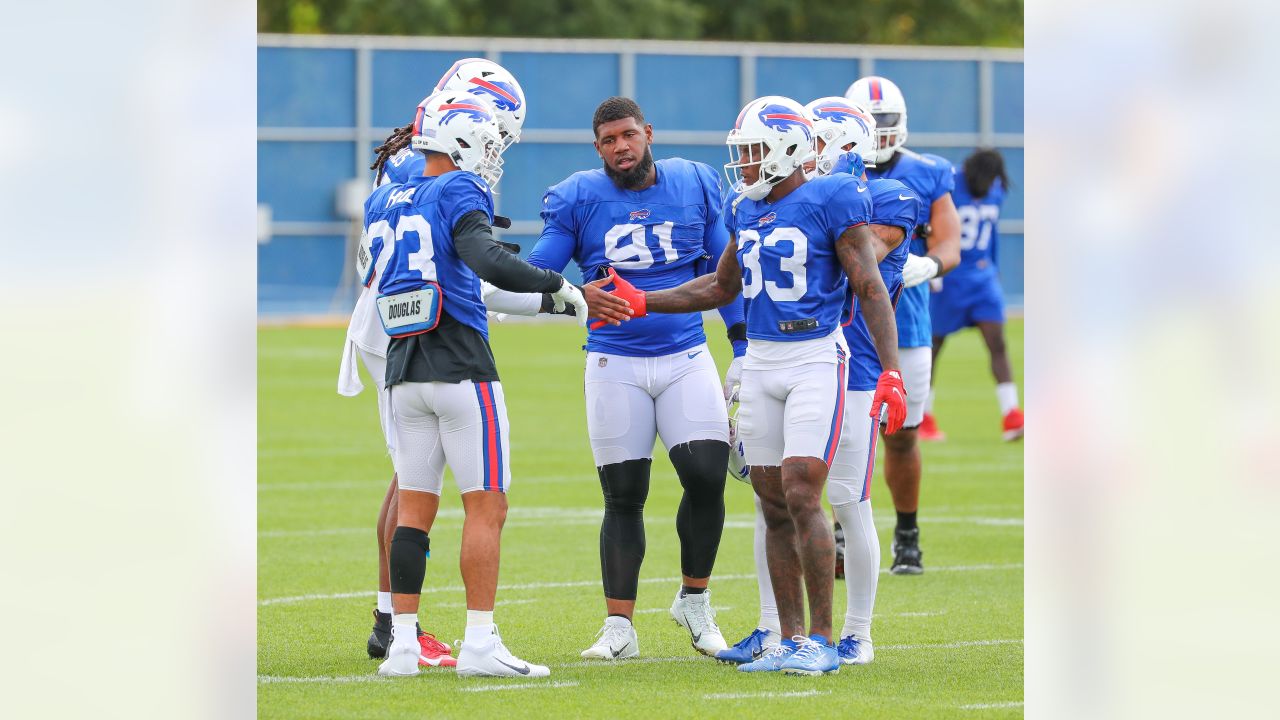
point(398, 140)
point(981, 170)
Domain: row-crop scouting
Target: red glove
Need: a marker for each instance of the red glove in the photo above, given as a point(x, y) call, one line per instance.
point(891, 394)
point(626, 291)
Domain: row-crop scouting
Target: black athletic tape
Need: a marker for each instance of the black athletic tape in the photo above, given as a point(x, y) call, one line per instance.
point(501, 221)
point(737, 331)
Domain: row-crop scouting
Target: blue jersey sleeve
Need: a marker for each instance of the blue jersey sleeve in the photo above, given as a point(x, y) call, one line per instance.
point(558, 241)
point(894, 204)
point(943, 176)
point(715, 239)
point(463, 193)
point(849, 204)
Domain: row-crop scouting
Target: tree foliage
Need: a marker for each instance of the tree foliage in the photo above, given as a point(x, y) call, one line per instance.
point(897, 22)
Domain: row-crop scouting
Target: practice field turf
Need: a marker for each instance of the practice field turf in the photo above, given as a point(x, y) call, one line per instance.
point(948, 643)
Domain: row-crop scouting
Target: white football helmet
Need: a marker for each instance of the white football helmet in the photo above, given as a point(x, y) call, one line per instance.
point(887, 105)
point(464, 127)
point(772, 132)
point(839, 123)
point(488, 79)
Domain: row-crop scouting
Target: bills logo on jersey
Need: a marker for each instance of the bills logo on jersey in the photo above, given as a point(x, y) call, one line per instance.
point(780, 118)
point(767, 219)
point(502, 94)
point(452, 110)
point(841, 114)
point(640, 214)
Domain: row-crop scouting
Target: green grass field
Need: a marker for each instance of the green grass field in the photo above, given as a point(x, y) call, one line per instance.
point(948, 643)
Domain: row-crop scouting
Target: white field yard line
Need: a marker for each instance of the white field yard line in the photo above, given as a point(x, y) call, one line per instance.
point(521, 686)
point(765, 695)
point(991, 706)
point(605, 664)
point(589, 583)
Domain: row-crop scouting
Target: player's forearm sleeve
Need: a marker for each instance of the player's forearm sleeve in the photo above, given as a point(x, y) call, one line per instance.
point(501, 301)
point(473, 239)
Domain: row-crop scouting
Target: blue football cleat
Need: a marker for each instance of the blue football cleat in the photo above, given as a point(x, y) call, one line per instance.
point(750, 647)
point(771, 661)
point(813, 656)
point(855, 651)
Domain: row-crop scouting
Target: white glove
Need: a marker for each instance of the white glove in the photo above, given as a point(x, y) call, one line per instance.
point(917, 270)
point(732, 379)
point(487, 289)
point(570, 294)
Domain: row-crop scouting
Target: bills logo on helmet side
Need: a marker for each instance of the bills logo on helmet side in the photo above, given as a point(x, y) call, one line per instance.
point(782, 119)
point(475, 112)
point(767, 219)
point(640, 214)
point(503, 95)
point(842, 113)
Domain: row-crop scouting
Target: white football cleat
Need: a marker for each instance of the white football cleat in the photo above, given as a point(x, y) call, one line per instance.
point(855, 651)
point(616, 641)
point(491, 658)
point(402, 656)
point(694, 613)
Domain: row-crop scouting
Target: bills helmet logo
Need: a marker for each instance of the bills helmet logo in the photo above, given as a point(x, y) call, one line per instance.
point(465, 109)
point(767, 219)
point(782, 119)
point(842, 114)
point(640, 214)
point(503, 95)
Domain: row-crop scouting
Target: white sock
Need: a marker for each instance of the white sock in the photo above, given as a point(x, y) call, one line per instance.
point(928, 403)
point(768, 605)
point(404, 628)
point(384, 602)
point(861, 567)
point(479, 626)
point(1007, 395)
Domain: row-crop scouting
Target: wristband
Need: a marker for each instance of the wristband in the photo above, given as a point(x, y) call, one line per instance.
point(738, 331)
point(939, 262)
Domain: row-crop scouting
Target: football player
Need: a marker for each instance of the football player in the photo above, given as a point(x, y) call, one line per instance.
point(656, 224)
point(396, 163)
point(934, 251)
point(845, 141)
point(445, 393)
point(796, 247)
point(971, 294)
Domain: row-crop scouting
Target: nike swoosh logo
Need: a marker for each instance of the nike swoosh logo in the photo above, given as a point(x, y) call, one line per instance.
point(617, 652)
point(862, 189)
point(522, 670)
point(693, 355)
point(697, 637)
point(906, 197)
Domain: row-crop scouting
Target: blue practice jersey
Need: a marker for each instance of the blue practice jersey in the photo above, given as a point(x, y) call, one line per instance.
point(414, 222)
point(791, 278)
point(657, 238)
point(897, 205)
point(930, 177)
point(403, 165)
point(978, 233)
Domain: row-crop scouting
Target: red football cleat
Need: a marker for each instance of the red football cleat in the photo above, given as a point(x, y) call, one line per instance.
point(929, 429)
point(434, 653)
point(1013, 425)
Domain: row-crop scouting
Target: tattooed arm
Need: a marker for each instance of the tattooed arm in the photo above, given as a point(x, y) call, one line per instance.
point(888, 237)
point(856, 249)
point(706, 292)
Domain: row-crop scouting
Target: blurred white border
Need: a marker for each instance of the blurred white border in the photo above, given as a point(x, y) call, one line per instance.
point(127, 176)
